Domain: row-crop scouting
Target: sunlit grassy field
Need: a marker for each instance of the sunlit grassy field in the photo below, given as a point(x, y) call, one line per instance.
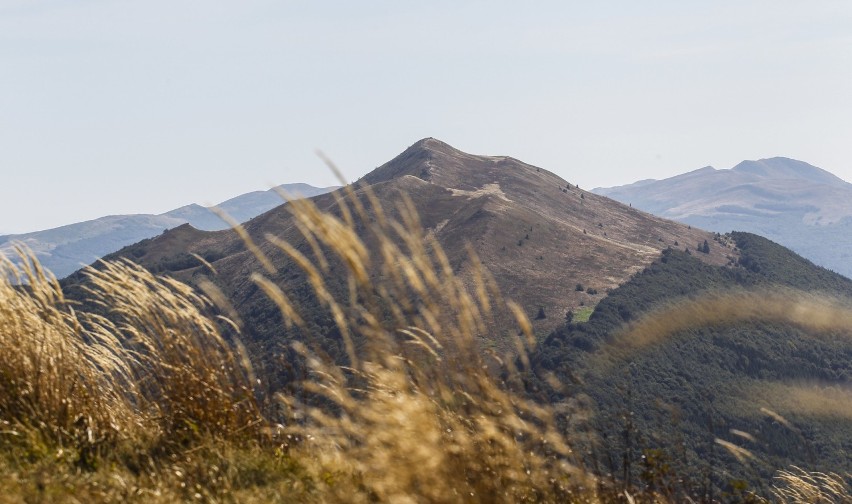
point(154, 398)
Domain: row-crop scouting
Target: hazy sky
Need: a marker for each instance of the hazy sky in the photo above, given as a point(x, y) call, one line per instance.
point(111, 106)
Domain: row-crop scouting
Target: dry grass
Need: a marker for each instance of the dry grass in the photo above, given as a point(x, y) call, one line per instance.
point(60, 383)
point(797, 486)
point(152, 399)
point(129, 391)
point(814, 312)
point(416, 417)
point(188, 380)
point(809, 399)
point(167, 400)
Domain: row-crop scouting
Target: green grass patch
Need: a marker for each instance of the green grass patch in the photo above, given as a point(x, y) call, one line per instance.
point(583, 313)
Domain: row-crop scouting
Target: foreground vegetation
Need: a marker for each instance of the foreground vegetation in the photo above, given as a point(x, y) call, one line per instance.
point(145, 393)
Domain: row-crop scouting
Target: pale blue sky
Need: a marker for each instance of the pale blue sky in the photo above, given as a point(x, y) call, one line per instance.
point(111, 106)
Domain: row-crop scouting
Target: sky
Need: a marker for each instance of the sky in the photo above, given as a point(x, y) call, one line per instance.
point(142, 106)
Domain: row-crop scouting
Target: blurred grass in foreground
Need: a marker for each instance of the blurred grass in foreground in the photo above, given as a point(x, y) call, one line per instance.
point(154, 403)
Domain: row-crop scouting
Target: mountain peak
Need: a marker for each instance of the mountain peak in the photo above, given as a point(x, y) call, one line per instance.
point(786, 168)
point(417, 160)
point(524, 222)
point(433, 145)
point(428, 142)
point(441, 164)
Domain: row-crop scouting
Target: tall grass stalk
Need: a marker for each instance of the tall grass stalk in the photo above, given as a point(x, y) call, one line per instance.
point(815, 312)
point(151, 366)
point(63, 382)
point(416, 416)
point(797, 486)
point(418, 412)
point(189, 380)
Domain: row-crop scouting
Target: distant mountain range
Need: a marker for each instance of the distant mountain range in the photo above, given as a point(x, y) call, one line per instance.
point(65, 249)
point(791, 202)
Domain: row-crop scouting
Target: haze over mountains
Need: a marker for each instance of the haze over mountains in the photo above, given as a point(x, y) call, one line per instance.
point(65, 249)
point(796, 204)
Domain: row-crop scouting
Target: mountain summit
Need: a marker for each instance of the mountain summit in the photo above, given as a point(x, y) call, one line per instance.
point(437, 162)
point(781, 168)
point(550, 246)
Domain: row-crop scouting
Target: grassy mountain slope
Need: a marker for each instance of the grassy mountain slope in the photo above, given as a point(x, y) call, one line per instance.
point(540, 237)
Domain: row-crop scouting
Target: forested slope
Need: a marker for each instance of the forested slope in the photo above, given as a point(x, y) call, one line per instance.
point(667, 405)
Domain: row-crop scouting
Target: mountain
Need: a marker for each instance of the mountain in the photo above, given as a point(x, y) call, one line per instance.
point(798, 205)
point(657, 414)
point(243, 207)
point(550, 246)
point(65, 249)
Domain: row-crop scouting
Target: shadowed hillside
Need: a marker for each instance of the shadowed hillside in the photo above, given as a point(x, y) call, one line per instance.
point(685, 354)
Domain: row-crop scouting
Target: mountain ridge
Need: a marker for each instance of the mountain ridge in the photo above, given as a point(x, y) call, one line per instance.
point(64, 249)
point(783, 167)
point(792, 202)
point(539, 235)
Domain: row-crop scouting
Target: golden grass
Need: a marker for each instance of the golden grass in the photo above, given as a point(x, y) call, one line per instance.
point(815, 312)
point(188, 379)
point(153, 383)
point(152, 371)
point(416, 417)
point(153, 399)
point(60, 382)
point(797, 486)
point(809, 399)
